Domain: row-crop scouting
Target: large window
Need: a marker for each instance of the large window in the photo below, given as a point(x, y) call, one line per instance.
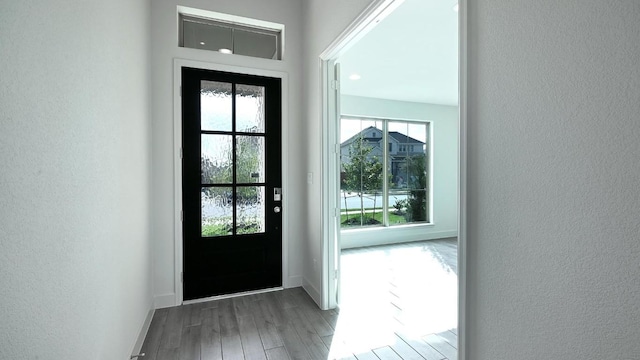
point(384, 172)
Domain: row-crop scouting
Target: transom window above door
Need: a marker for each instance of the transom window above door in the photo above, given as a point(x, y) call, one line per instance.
point(228, 34)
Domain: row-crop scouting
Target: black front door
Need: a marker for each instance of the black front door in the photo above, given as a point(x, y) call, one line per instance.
point(231, 182)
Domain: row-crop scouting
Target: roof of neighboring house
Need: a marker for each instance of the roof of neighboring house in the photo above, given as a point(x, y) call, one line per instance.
point(404, 139)
point(399, 137)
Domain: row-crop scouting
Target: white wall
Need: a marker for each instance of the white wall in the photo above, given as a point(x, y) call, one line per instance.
point(554, 167)
point(444, 134)
point(164, 48)
point(323, 21)
point(75, 270)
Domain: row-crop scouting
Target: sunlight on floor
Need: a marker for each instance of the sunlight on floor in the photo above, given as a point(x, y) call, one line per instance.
point(388, 294)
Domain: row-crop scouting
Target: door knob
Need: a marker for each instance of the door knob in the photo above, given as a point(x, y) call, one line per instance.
point(276, 209)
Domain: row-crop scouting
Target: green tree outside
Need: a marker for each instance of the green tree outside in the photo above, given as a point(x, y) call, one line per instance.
point(362, 174)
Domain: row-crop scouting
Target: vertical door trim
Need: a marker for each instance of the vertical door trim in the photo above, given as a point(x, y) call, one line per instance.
point(330, 186)
point(178, 64)
point(463, 63)
point(377, 10)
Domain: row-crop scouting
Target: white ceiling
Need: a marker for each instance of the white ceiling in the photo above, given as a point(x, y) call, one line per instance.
point(411, 55)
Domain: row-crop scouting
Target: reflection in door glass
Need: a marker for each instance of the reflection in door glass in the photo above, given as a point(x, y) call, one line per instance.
point(250, 208)
point(217, 211)
point(250, 108)
point(216, 161)
point(215, 106)
point(250, 159)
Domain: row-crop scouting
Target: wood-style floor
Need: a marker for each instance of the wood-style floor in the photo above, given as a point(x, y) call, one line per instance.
point(397, 302)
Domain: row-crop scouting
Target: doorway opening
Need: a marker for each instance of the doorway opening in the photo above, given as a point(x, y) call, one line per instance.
point(398, 65)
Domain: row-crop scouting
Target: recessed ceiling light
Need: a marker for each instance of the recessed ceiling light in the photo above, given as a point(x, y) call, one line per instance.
point(201, 42)
point(354, 77)
point(225, 51)
point(456, 7)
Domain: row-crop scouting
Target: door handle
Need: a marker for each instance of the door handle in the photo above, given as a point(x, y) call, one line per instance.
point(276, 209)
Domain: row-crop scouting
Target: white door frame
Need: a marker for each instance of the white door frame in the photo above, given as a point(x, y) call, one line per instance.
point(178, 64)
point(377, 10)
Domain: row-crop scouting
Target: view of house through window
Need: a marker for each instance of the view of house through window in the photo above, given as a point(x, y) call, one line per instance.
point(384, 172)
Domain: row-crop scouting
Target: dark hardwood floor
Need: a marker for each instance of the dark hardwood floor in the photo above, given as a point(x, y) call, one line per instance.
point(397, 302)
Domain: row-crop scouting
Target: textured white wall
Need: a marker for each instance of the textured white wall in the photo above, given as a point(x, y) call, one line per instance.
point(164, 48)
point(554, 168)
point(74, 186)
point(444, 128)
point(323, 21)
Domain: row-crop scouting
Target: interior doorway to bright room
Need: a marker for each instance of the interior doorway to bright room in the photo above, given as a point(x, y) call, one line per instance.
point(393, 120)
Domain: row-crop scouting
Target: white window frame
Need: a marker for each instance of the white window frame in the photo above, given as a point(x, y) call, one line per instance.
point(402, 237)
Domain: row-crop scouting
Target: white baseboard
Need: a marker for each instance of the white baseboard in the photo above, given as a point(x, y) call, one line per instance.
point(313, 292)
point(164, 301)
point(143, 332)
point(294, 281)
point(385, 236)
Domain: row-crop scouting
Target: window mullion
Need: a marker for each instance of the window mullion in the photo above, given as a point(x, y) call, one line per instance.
point(385, 175)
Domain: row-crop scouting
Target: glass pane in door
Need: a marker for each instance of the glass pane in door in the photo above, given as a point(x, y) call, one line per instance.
point(216, 160)
point(217, 211)
point(250, 159)
point(249, 108)
point(250, 209)
point(215, 106)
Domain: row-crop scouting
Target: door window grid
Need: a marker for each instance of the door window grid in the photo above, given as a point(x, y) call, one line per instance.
point(232, 160)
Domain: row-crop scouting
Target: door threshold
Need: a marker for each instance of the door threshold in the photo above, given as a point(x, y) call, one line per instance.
point(229, 296)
